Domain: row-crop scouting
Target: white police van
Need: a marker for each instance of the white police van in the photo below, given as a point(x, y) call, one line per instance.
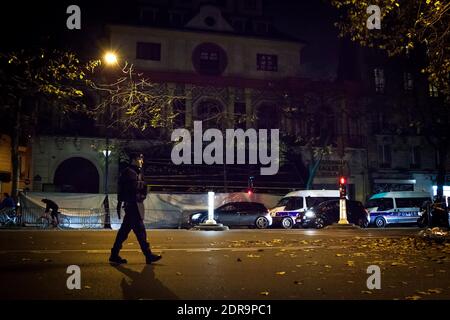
point(294, 203)
point(399, 207)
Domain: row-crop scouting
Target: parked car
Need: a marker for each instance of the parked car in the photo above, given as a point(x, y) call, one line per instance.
point(327, 213)
point(294, 203)
point(402, 207)
point(251, 214)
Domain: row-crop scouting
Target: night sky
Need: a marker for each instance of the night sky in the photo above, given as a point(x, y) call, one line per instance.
point(43, 24)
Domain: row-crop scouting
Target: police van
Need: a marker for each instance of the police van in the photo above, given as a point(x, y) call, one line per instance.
point(399, 207)
point(294, 203)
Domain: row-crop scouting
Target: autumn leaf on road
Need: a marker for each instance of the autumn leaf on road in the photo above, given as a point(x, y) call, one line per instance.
point(415, 297)
point(437, 290)
point(280, 273)
point(359, 254)
point(423, 293)
point(264, 293)
point(340, 254)
point(253, 256)
point(351, 263)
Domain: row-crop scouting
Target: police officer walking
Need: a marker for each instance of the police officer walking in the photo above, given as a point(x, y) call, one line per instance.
point(132, 191)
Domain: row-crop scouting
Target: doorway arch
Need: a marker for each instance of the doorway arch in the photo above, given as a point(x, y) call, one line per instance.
point(77, 175)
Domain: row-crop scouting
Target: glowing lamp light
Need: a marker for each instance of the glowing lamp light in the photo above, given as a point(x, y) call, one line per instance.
point(110, 58)
point(106, 152)
point(342, 180)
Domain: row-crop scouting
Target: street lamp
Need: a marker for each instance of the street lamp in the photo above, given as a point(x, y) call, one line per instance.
point(110, 58)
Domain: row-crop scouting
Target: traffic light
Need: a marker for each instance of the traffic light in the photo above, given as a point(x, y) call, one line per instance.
point(342, 187)
point(250, 185)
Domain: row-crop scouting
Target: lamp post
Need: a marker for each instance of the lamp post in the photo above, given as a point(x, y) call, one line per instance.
point(107, 153)
point(110, 59)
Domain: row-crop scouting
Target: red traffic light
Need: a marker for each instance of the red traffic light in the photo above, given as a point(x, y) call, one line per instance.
point(249, 191)
point(342, 180)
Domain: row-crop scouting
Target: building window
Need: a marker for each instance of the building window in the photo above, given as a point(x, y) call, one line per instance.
point(408, 81)
point(384, 156)
point(379, 80)
point(148, 51)
point(266, 62)
point(415, 157)
point(433, 91)
point(209, 59)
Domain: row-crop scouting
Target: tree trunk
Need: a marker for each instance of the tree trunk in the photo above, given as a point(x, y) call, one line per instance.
point(312, 169)
point(442, 161)
point(15, 136)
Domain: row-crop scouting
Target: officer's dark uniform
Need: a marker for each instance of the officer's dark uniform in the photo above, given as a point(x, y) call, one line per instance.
point(132, 191)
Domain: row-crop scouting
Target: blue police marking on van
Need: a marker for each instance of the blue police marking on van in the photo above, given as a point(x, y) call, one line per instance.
point(397, 207)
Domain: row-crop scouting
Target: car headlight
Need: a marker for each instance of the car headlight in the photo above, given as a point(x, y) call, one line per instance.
point(310, 214)
point(196, 216)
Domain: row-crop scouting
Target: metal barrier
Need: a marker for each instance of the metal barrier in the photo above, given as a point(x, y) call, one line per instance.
point(82, 218)
point(79, 217)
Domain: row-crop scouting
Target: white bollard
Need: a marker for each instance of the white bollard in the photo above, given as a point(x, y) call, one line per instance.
point(211, 208)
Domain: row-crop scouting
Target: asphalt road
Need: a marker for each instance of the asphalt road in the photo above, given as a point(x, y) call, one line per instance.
point(235, 264)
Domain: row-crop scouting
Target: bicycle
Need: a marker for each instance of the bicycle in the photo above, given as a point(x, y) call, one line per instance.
point(45, 221)
point(9, 217)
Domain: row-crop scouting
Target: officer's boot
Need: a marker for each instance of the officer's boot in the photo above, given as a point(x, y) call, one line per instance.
point(115, 258)
point(149, 256)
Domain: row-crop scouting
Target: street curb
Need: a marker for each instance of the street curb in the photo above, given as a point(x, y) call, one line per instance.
point(210, 227)
point(337, 226)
